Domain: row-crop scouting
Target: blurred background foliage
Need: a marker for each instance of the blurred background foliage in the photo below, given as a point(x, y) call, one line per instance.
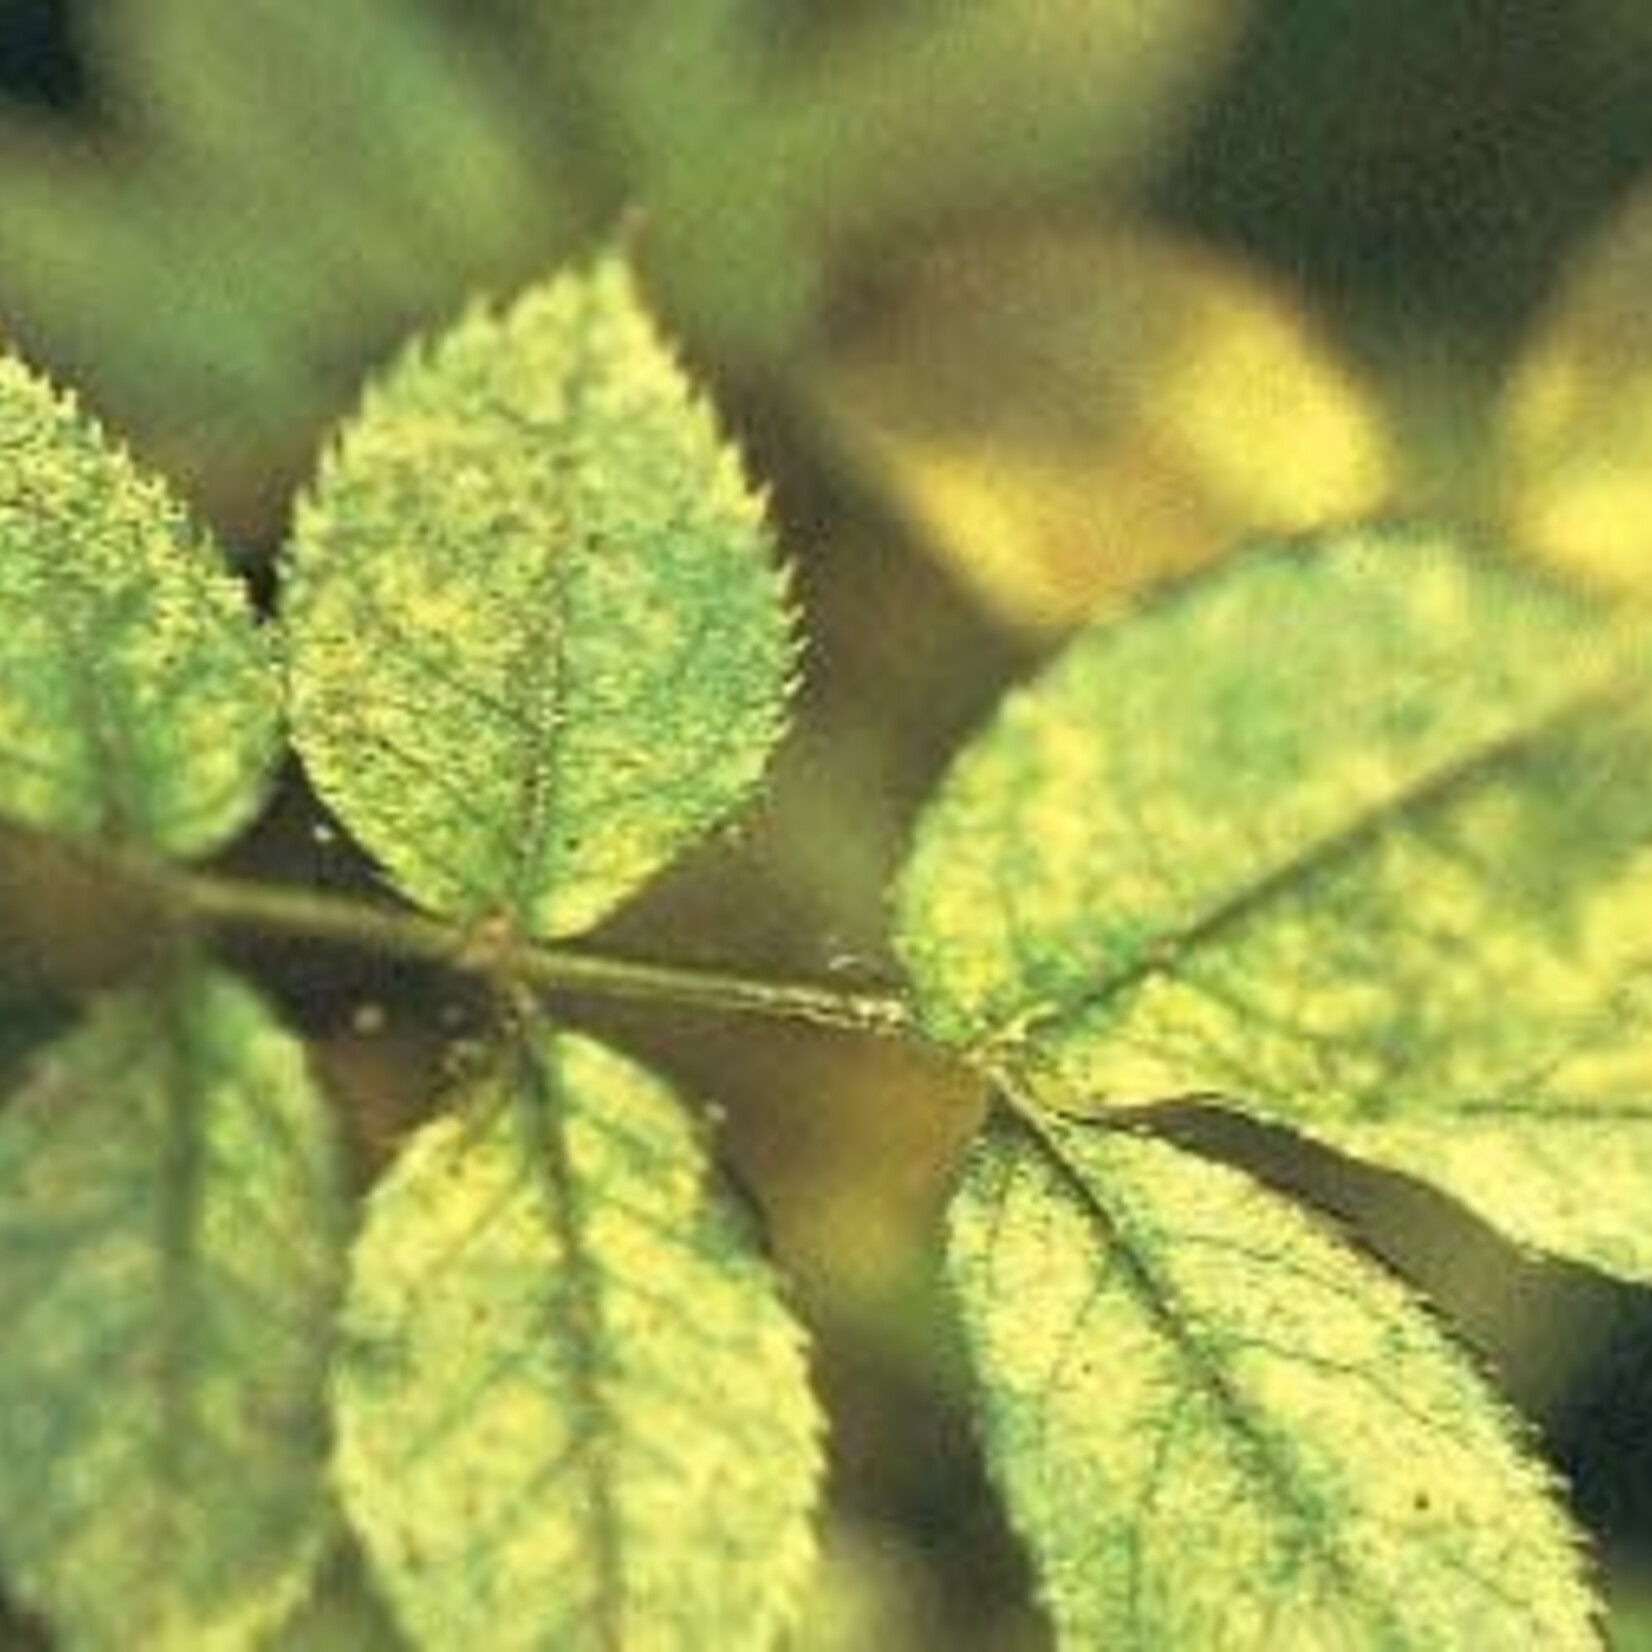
point(1021, 306)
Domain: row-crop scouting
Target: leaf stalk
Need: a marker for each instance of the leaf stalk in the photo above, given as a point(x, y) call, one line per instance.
point(228, 903)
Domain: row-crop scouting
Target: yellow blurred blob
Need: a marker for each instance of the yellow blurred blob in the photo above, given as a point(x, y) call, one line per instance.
point(1067, 414)
point(1578, 419)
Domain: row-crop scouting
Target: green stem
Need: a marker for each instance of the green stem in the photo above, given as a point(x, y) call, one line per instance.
point(232, 903)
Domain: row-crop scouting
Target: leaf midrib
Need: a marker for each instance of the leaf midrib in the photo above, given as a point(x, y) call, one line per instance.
point(544, 1116)
point(540, 687)
point(1161, 1302)
point(107, 739)
point(180, 1119)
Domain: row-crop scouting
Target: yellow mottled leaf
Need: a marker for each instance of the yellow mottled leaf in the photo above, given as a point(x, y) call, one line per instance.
point(573, 1411)
point(1219, 1429)
point(539, 643)
point(1066, 415)
point(137, 701)
point(1356, 836)
point(171, 1239)
point(1577, 455)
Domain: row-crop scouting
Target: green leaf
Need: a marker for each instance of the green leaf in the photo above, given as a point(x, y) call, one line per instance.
point(538, 642)
point(170, 1244)
point(1356, 837)
point(572, 1409)
point(137, 703)
point(1217, 1427)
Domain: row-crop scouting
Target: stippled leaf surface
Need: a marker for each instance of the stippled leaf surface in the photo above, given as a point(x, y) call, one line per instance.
point(137, 700)
point(1219, 1428)
point(1354, 836)
point(170, 1249)
point(538, 641)
point(573, 1411)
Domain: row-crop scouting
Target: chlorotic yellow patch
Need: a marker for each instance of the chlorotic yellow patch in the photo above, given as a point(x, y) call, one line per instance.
point(1355, 835)
point(1221, 1430)
point(573, 1411)
point(538, 640)
point(174, 1215)
point(138, 701)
